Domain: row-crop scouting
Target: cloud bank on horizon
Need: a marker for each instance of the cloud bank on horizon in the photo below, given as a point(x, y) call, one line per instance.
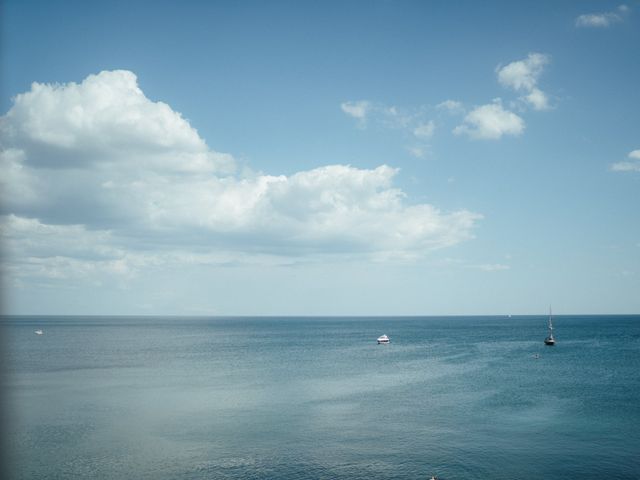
point(99, 180)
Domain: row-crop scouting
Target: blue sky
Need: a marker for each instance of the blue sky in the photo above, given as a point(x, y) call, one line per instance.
point(320, 158)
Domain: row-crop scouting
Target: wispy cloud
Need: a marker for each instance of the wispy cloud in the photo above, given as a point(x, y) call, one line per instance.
point(451, 106)
point(460, 263)
point(425, 130)
point(392, 117)
point(98, 179)
point(523, 75)
point(412, 122)
point(490, 122)
point(604, 19)
point(633, 165)
point(490, 267)
point(357, 109)
point(417, 151)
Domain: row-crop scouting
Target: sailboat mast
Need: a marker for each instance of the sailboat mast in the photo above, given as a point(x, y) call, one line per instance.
point(550, 340)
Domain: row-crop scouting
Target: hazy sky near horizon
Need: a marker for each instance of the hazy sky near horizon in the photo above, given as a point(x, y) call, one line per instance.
point(320, 158)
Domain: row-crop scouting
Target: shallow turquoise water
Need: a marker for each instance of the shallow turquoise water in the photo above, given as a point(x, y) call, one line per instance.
point(316, 398)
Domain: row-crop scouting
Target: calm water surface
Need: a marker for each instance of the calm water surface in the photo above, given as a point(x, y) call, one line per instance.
point(316, 398)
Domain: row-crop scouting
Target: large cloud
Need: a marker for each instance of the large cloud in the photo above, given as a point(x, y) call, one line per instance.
point(97, 173)
point(106, 119)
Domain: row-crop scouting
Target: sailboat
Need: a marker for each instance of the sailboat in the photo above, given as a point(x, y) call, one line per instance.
point(550, 340)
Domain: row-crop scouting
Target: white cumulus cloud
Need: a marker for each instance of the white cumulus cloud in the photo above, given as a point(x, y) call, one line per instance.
point(106, 119)
point(523, 75)
point(537, 99)
point(98, 178)
point(490, 122)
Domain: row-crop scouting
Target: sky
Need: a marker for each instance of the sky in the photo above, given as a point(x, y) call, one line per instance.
point(320, 158)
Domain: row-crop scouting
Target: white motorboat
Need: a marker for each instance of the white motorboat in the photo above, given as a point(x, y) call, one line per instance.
point(38, 332)
point(383, 339)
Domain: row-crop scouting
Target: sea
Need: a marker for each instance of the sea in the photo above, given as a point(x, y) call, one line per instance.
point(300, 398)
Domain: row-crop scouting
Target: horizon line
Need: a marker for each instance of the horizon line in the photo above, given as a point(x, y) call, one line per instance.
point(311, 315)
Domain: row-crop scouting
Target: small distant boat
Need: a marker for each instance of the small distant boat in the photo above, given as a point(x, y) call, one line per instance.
point(383, 339)
point(38, 332)
point(550, 340)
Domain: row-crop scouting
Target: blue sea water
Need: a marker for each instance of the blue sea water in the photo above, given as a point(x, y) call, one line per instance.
point(317, 398)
